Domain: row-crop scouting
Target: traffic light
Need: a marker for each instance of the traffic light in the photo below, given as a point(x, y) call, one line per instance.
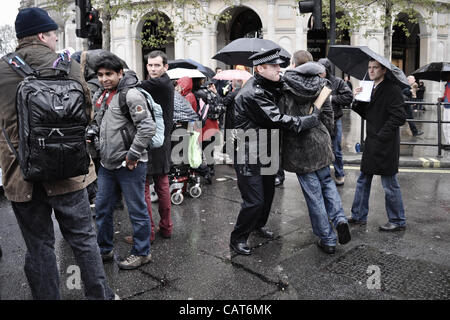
point(82, 8)
point(88, 24)
point(95, 27)
point(314, 6)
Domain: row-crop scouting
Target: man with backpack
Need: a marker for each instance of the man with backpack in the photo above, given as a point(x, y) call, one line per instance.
point(32, 196)
point(126, 129)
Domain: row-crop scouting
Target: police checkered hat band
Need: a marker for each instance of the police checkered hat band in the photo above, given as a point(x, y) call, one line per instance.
point(267, 57)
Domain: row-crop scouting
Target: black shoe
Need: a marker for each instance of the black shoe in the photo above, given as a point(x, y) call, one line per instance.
point(240, 248)
point(278, 181)
point(325, 248)
point(391, 227)
point(265, 233)
point(343, 233)
point(208, 179)
point(419, 133)
point(106, 257)
point(354, 221)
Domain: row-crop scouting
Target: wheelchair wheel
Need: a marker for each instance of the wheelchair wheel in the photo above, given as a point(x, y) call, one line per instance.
point(177, 198)
point(195, 191)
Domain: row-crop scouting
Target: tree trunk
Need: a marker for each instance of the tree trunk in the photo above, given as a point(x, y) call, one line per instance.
point(388, 29)
point(106, 20)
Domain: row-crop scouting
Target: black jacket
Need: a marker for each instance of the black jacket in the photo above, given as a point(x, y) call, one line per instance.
point(384, 114)
point(341, 95)
point(162, 91)
point(309, 150)
point(255, 107)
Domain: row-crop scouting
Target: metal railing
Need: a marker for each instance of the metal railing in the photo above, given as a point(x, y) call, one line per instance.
point(438, 121)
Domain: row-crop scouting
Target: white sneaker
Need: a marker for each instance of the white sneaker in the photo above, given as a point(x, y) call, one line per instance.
point(133, 262)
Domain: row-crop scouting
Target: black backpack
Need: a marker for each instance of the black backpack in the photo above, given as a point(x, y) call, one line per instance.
point(51, 116)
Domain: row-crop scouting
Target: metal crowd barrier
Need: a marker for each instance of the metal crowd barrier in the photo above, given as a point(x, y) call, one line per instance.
point(438, 121)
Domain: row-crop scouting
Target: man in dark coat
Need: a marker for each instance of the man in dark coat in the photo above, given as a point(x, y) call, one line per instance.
point(256, 112)
point(384, 114)
point(161, 88)
point(341, 96)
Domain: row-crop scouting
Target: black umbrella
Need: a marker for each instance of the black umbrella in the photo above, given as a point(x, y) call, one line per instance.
point(354, 60)
point(435, 71)
point(238, 51)
point(191, 64)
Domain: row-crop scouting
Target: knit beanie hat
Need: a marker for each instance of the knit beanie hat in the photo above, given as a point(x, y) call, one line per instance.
point(32, 21)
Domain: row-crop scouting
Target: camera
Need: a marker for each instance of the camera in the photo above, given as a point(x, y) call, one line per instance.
point(92, 132)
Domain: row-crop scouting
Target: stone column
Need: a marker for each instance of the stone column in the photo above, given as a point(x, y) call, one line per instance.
point(206, 45)
point(271, 20)
point(179, 37)
point(130, 52)
point(432, 56)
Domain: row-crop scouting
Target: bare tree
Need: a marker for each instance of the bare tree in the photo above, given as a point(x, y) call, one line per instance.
point(8, 41)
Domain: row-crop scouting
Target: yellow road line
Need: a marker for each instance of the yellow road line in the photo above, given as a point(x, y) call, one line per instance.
point(408, 170)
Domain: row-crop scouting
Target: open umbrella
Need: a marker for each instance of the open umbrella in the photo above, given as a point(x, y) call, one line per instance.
point(233, 75)
point(354, 60)
point(178, 73)
point(191, 64)
point(435, 71)
point(238, 51)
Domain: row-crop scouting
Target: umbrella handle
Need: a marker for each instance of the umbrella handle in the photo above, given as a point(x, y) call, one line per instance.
point(365, 76)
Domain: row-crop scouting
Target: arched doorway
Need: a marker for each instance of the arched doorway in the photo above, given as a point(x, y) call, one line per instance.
point(406, 48)
point(244, 23)
point(157, 34)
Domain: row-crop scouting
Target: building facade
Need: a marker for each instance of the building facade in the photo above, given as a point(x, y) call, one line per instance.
point(279, 21)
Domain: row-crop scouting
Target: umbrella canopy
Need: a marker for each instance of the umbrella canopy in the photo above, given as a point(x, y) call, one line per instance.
point(435, 71)
point(191, 64)
point(238, 51)
point(354, 60)
point(233, 75)
point(178, 73)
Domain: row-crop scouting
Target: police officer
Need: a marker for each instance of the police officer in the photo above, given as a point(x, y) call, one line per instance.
point(256, 110)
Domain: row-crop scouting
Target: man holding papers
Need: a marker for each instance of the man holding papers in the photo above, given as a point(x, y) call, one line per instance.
point(384, 113)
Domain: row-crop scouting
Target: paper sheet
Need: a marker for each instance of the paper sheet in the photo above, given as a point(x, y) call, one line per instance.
point(364, 95)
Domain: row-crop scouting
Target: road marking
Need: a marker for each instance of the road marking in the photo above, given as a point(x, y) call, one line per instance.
point(425, 162)
point(408, 170)
point(436, 163)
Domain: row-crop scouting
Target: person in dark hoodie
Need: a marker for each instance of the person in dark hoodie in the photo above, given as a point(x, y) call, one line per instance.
point(309, 154)
point(341, 96)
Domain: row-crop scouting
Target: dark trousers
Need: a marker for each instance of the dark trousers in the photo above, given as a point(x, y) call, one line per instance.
point(74, 218)
point(410, 115)
point(257, 195)
point(162, 189)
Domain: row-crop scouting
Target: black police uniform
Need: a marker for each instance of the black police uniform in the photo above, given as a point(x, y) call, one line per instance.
point(255, 107)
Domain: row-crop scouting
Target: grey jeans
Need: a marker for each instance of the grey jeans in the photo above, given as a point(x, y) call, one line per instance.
point(73, 214)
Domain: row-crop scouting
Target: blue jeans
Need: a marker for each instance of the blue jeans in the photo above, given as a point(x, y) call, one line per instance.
point(132, 185)
point(324, 204)
point(393, 199)
point(337, 150)
point(75, 222)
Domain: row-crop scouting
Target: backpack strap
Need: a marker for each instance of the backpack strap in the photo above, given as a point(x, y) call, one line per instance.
point(123, 103)
point(150, 101)
point(18, 64)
